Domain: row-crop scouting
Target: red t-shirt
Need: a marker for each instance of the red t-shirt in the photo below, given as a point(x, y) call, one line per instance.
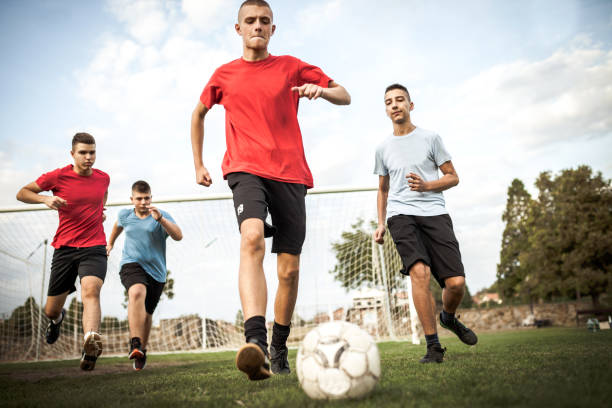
point(261, 128)
point(80, 220)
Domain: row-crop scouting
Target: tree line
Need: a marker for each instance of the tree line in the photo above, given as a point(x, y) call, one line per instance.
point(558, 245)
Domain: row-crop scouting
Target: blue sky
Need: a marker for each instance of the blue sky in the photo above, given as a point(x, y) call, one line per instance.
point(513, 88)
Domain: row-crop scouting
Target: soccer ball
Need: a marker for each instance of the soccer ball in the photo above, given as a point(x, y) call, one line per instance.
point(338, 360)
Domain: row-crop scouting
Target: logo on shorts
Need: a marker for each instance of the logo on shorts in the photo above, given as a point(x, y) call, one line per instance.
point(240, 209)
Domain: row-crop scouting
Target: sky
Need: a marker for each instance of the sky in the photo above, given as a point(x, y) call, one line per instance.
point(513, 88)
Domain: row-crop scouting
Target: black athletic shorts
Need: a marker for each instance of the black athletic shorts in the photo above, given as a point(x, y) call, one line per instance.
point(255, 196)
point(70, 262)
point(132, 273)
point(430, 240)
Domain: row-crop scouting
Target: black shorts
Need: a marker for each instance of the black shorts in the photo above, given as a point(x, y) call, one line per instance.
point(430, 240)
point(70, 262)
point(255, 196)
point(132, 273)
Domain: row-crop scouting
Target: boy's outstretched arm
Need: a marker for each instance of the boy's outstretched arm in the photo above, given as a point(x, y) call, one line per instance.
point(335, 93)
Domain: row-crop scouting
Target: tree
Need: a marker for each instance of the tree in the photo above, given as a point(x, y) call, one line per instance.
point(510, 272)
point(22, 319)
point(559, 244)
point(168, 290)
point(571, 234)
point(356, 266)
point(239, 322)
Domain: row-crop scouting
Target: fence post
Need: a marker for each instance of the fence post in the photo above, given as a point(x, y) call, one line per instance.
point(42, 293)
point(387, 305)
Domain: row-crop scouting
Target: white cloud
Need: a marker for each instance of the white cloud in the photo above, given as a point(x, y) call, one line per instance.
point(205, 15)
point(145, 20)
point(564, 96)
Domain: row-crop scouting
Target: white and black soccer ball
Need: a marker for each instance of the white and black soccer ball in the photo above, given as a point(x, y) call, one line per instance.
point(338, 360)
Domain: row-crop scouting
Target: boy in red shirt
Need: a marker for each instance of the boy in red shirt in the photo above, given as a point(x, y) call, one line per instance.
point(266, 169)
point(79, 196)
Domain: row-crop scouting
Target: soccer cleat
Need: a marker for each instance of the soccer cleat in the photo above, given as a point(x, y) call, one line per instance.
point(139, 362)
point(253, 361)
point(435, 354)
point(465, 335)
point(279, 360)
point(92, 348)
point(53, 329)
point(135, 349)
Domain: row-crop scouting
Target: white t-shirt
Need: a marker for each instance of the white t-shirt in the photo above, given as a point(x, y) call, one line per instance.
point(422, 152)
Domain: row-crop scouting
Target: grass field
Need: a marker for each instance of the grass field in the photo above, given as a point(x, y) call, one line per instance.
point(528, 368)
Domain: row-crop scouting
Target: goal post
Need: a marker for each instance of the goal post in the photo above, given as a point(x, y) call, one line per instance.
point(343, 276)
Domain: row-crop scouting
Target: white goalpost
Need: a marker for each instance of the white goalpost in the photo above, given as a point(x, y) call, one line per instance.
point(344, 275)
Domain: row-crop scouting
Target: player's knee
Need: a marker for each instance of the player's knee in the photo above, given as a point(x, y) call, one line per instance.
point(137, 293)
point(52, 311)
point(289, 275)
point(253, 240)
point(455, 285)
point(419, 273)
point(90, 291)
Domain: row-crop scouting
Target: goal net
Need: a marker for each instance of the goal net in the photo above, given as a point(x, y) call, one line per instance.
point(344, 275)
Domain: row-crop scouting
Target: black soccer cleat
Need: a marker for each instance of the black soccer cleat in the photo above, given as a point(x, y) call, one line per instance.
point(279, 360)
point(465, 335)
point(53, 329)
point(253, 360)
point(139, 362)
point(435, 354)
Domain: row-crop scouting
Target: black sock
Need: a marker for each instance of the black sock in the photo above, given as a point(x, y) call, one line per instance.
point(447, 317)
point(432, 339)
point(255, 329)
point(279, 335)
point(135, 342)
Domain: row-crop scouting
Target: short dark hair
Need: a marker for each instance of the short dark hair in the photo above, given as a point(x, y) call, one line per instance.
point(398, 86)
point(260, 3)
point(141, 186)
point(83, 137)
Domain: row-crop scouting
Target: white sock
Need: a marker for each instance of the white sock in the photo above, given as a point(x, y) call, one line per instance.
point(58, 319)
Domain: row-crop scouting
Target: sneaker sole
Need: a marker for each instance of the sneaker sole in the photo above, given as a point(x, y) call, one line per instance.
point(137, 368)
point(92, 348)
point(250, 360)
point(136, 354)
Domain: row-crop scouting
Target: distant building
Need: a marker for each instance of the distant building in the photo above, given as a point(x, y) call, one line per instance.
point(486, 297)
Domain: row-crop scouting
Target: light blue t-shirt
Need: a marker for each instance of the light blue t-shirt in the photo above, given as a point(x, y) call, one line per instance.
point(422, 152)
point(145, 242)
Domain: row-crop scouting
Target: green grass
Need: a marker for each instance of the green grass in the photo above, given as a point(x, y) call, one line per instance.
point(529, 368)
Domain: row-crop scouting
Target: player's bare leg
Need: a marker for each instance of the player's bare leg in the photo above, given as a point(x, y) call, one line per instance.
point(137, 319)
point(90, 296)
point(251, 278)
point(288, 270)
point(452, 294)
point(422, 297)
point(137, 314)
point(54, 310)
point(252, 357)
point(424, 303)
point(147, 330)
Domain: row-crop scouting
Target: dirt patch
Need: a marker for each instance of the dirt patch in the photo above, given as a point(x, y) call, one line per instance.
point(102, 369)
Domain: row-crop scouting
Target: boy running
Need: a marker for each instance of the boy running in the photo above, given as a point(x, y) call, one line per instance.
point(79, 196)
point(410, 200)
point(143, 263)
point(266, 169)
